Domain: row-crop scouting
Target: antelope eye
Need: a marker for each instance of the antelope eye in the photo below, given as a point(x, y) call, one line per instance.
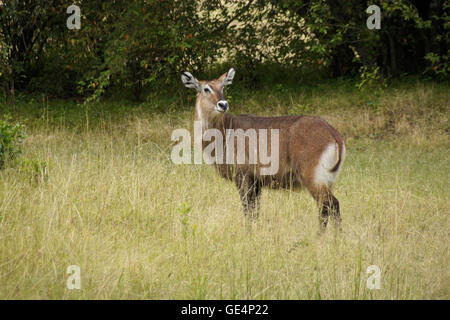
point(206, 90)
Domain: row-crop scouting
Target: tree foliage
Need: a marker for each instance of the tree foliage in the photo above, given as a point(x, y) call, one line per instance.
point(142, 45)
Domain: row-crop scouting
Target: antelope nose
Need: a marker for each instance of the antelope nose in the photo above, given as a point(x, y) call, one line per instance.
point(222, 106)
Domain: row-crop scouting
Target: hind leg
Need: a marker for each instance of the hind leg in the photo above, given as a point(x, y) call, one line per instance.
point(329, 206)
point(250, 193)
point(327, 203)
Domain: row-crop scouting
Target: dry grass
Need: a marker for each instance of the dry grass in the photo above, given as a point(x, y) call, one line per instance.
point(112, 203)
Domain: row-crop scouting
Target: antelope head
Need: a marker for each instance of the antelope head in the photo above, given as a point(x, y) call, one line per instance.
point(210, 95)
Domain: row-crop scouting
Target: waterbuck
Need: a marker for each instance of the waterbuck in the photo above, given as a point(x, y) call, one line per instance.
point(310, 151)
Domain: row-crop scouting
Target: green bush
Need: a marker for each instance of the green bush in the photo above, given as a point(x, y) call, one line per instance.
point(11, 136)
point(34, 169)
point(439, 65)
point(370, 78)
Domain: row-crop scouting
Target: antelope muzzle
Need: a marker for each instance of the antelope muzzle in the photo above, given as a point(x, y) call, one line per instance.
point(222, 106)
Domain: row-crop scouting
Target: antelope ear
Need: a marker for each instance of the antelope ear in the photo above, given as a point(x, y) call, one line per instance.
point(190, 81)
point(227, 78)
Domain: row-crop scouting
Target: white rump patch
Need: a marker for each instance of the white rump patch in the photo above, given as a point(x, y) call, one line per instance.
point(328, 160)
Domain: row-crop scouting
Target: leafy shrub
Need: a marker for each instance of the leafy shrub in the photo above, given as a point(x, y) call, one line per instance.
point(370, 78)
point(11, 136)
point(439, 64)
point(34, 169)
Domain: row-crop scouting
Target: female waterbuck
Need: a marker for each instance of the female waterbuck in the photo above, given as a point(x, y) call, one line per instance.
point(309, 151)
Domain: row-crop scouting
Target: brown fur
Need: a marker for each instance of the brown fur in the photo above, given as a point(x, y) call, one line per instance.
point(302, 141)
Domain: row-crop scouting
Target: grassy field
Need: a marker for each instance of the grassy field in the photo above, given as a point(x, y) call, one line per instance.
point(95, 187)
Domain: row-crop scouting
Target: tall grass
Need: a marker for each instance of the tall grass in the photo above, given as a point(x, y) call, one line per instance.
point(141, 227)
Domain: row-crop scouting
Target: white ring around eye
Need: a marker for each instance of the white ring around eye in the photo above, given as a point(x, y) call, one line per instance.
point(207, 89)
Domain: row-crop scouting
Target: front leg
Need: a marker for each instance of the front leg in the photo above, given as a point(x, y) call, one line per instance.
point(250, 193)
